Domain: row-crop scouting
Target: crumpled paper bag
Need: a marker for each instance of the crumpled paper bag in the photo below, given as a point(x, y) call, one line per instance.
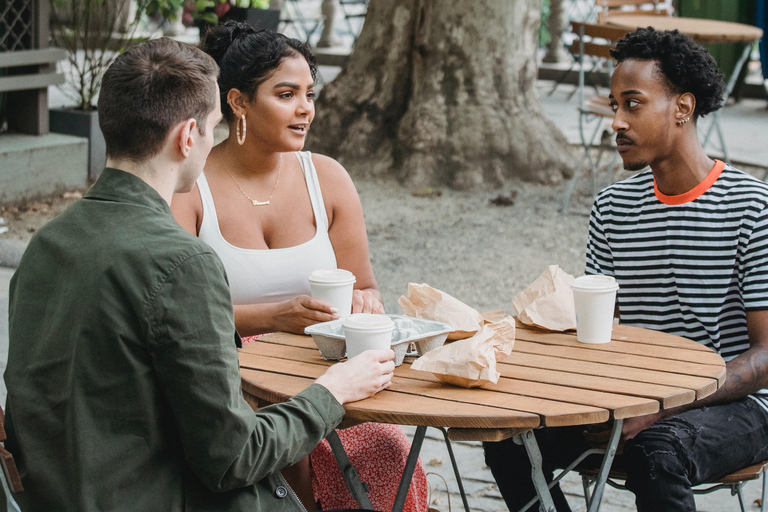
point(548, 301)
point(471, 362)
point(426, 302)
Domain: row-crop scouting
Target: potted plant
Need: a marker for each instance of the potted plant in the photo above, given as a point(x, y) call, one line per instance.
point(94, 33)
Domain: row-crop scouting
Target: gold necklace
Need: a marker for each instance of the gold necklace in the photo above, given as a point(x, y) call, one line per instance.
point(254, 202)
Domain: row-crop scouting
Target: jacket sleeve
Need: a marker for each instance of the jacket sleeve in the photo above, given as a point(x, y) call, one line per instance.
point(226, 444)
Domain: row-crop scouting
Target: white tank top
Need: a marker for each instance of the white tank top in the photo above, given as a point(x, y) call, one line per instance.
point(271, 275)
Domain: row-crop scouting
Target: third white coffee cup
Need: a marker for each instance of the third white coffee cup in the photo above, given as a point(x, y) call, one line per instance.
point(334, 286)
point(366, 331)
point(594, 298)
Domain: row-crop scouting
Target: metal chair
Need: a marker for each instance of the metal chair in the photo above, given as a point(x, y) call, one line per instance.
point(293, 16)
point(593, 42)
point(354, 10)
point(6, 460)
point(608, 8)
point(735, 482)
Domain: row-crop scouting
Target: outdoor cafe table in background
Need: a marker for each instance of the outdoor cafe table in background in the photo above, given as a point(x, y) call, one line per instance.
point(702, 31)
point(549, 379)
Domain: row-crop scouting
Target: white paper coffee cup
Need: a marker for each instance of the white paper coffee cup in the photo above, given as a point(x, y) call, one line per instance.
point(366, 331)
point(594, 298)
point(334, 286)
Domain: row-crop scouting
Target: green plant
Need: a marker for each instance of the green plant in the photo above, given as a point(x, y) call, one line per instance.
point(94, 33)
point(254, 4)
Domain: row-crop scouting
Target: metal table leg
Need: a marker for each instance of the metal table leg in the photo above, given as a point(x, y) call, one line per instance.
point(605, 467)
point(356, 486)
point(528, 440)
point(542, 487)
point(410, 465)
point(455, 469)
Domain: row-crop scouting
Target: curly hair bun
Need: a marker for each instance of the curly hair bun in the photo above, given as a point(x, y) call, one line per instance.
point(219, 38)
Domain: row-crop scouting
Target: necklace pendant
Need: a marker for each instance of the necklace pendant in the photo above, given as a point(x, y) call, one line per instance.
point(260, 203)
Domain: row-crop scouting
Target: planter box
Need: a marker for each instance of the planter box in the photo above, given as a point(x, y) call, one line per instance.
point(81, 123)
point(257, 18)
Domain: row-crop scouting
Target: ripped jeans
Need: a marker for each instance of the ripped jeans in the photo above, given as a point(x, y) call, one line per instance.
point(662, 462)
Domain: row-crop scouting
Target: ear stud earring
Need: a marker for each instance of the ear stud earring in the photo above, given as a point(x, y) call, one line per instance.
point(682, 121)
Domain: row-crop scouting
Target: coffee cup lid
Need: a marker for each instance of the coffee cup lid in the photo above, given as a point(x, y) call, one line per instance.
point(595, 283)
point(368, 321)
point(332, 275)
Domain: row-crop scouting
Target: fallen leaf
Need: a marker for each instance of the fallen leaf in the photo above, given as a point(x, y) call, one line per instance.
point(502, 200)
point(72, 195)
point(427, 192)
point(435, 462)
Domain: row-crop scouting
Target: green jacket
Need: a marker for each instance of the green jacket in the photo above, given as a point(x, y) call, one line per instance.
point(123, 380)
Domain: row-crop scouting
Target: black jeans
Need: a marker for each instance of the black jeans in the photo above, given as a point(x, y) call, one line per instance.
point(662, 462)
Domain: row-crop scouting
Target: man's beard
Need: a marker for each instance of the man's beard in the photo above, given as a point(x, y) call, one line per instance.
point(635, 166)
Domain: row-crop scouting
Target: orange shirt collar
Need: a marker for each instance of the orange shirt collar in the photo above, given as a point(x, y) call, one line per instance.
point(696, 191)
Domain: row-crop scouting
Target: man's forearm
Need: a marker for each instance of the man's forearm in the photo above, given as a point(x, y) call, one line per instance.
point(744, 375)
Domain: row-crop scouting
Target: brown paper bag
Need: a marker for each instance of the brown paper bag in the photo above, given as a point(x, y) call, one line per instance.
point(471, 362)
point(548, 301)
point(426, 302)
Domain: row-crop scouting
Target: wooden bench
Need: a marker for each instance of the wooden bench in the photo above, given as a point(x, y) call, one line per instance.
point(29, 73)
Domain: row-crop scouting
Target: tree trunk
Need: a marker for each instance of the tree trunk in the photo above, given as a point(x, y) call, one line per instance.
point(442, 92)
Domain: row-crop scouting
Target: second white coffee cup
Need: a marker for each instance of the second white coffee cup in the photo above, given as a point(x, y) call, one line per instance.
point(594, 298)
point(366, 331)
point(334, 286)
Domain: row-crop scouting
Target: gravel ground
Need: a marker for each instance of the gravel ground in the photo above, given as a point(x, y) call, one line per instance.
point(462, 244)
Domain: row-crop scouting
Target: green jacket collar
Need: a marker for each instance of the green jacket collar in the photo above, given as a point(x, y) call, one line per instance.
point(122, 186)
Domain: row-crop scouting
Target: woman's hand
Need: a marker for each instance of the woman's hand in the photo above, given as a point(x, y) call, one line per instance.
point(300, 312)
point(360, 377)
point(366, 301)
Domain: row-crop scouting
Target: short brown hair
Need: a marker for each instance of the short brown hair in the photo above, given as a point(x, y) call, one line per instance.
point(149, 89)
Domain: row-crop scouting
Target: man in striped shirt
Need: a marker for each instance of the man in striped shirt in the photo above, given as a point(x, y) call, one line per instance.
point(687, 241)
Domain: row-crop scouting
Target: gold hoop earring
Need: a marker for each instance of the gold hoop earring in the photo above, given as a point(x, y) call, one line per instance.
point(681, 122)
point(241, 135)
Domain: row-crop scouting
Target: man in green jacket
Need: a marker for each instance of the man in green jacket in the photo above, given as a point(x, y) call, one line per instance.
point(123, 380)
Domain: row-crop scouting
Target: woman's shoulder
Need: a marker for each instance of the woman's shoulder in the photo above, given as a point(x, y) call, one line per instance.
point(330, 173)
point(327, 165)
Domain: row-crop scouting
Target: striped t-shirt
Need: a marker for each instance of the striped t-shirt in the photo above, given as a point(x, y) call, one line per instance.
point(690, 265)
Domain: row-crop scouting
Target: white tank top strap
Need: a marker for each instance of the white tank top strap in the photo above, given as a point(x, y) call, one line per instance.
point(210, 222)
point(313, 186)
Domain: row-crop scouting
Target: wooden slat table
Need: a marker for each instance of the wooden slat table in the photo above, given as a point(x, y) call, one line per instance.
point(550, 379)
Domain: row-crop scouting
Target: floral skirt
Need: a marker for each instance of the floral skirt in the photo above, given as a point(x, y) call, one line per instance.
point(379, 452)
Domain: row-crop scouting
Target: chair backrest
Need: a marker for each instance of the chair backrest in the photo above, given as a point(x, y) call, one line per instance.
point(593, 41)
point(6, 460)
point(608, 8)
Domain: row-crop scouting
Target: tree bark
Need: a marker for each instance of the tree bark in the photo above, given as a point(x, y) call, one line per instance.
point(442, 92)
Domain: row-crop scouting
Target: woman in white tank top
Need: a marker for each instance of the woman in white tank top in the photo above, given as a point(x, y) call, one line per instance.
point(273, 214)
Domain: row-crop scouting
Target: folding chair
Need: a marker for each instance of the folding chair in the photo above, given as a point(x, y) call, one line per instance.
point(608, 8)
point(6, 460)
point(602, 10)
point(595, 115)
point(735, 482)
point(354, 10)
point(293, 16)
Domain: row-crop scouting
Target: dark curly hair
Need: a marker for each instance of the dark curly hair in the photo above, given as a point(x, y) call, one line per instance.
point(247, 57)
point(685, 65)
